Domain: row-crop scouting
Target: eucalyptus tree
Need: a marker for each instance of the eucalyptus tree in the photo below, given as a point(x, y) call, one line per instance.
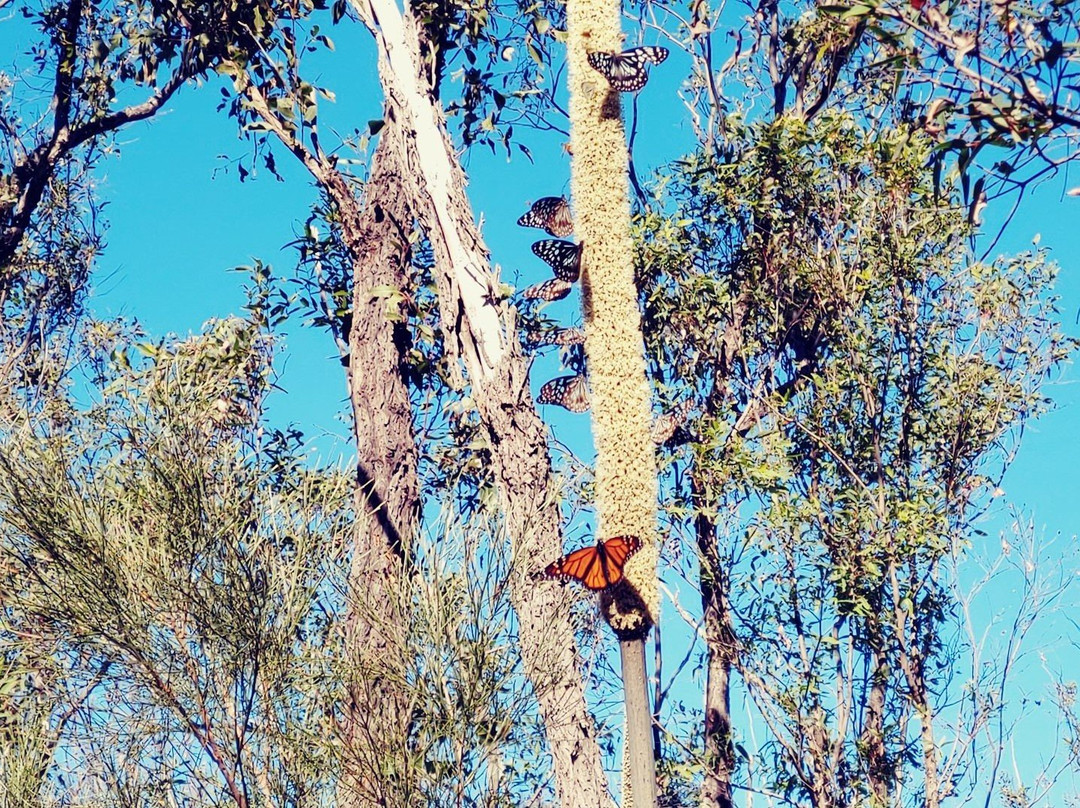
point(480, 349)
point(859, 377)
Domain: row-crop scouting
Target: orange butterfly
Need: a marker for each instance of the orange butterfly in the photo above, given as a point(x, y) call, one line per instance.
point(596, 567)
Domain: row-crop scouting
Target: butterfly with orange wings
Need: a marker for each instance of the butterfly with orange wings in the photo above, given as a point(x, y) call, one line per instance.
point(596, 567)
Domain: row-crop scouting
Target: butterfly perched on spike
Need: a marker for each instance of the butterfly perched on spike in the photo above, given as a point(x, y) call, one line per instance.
point(556, 336)
point(626, 71)
point(596, 567)
point(564, 257)
point(551, 214)
point(570, 392)
point(555, 289)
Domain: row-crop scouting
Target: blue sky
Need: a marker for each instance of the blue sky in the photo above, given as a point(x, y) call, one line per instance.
point(179, 220)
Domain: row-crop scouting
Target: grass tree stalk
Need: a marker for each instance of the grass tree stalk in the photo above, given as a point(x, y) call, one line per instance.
point(626, 487)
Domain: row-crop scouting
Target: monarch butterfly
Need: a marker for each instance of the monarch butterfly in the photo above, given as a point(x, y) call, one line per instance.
point(555, 289)
point(556, 336)
point(564, 257)
point(626, 71)
point(566, 391)
point(552, 214)
point(596, 567)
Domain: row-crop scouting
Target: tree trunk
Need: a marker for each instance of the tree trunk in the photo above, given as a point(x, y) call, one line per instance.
point(387, 491)
point(719, 640)
point(434, 190)
point(873, 731)
point(912, 660)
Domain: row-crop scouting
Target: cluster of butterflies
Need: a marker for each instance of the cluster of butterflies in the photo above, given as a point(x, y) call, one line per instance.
point(625, 72)
point(552, 214)
point(601, 566)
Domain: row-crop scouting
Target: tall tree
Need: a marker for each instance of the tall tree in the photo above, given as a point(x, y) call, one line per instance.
point(865, 375)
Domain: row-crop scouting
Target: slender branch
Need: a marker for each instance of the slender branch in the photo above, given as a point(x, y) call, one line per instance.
point(259, 102)
point(135, 112)
point(32, 174)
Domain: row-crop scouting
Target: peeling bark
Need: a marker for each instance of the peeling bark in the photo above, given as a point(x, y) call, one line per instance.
point(387, 490)
point(434, 192)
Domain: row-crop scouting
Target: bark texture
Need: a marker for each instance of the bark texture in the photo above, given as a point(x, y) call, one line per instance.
point(720, 645)
point(434, 192)
point(387, 491)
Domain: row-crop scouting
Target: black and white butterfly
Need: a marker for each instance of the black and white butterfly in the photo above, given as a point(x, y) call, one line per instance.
point(564, 257)
point(550, 213)
point(570, 392)
point(555, 289)
point(556, 336)
point(626, 71)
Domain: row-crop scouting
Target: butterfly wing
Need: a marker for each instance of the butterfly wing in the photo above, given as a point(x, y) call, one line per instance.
point(618, 549)
point(550, 213)
point(653, 53)
point(665, 425)
point(582, 565)
point(626, 71)
point(564, 257)
point(596, 567)
point(556, 336)
point(555, 289)
point(570, 392)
